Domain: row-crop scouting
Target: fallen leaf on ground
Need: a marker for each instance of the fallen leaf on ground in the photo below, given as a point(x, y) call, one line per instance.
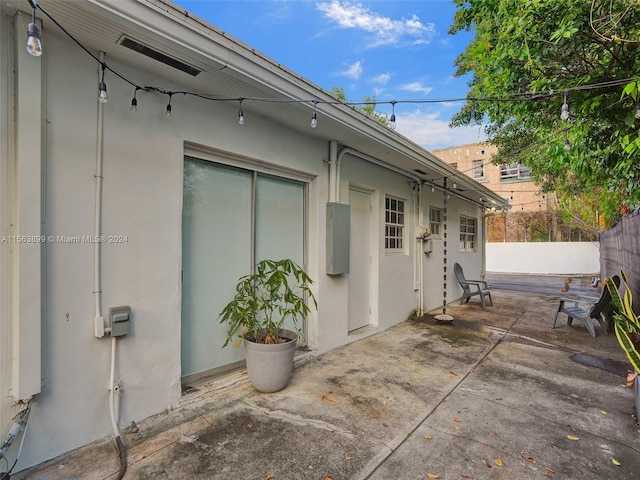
point(452, 372)
point(324, 397)
point(326, 478)
point(499, 398)
point(487, 463)
point(603, 412)
point(456, 419)
point(464, 476)
point(428, 437)
point(270, 477)
point(465, 394)
point(432, 475)
point(293, 435)
point(615, 462)
point(348, 458)
point(493, 432)
point(528, 459)
point(498, 462)
point(573, 437)
point(458, 428)
point(549, 469)
point(250, 426)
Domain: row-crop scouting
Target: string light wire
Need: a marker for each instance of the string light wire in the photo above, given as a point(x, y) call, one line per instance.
point(530, 96)
point(517, 97)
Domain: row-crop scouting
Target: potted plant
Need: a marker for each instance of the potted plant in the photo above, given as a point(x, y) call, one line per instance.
point(627, 328)
point(278, 291)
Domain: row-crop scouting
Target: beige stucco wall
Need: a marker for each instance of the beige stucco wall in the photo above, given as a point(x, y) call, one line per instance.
point(523, 195)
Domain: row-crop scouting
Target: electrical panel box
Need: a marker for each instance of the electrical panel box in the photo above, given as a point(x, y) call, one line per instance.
point(120, 318)
point(338, 238)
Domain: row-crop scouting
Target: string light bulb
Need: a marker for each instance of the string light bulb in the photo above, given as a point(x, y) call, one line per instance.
point(240, 113)
point(637, 114)
point(433, 189)
point(314, 115)
point(34, 46)
point(455, 185)
point(564, 112)
point(102, 87)
point(168, 110)
point(392, 120)
point(134, 101)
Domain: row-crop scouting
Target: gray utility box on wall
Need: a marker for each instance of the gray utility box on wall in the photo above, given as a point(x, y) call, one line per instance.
point(338, 224)
point(120, 320)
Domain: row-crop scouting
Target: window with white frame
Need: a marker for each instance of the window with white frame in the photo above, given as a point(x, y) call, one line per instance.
point(435, 220)
point(514, 171)
point(393, 224)
point(468, 229)
point(478, 169)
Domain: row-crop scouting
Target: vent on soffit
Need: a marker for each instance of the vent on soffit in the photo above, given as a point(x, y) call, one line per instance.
point(136, 46)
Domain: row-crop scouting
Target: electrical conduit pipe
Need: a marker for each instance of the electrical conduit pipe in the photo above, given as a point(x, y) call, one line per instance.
point(335, 167)
point(97, 291)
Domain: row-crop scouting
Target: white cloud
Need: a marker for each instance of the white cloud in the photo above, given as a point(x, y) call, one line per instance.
point(431, 132)
point(385, 31)
point(416, 87)
point(382, 79)
point(353, 71)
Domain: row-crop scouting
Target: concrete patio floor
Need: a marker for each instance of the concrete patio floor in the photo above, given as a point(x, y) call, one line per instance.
point(496, 394)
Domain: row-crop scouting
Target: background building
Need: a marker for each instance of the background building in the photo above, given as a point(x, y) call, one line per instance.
point(533, 216)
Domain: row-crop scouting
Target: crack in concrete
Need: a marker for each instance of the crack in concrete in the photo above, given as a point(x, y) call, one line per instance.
point(300, 420)
point(379, 459)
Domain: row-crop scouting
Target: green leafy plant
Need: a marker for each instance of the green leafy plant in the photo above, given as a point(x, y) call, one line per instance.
point(277, 291)
point(545, 47)
point(626, 323)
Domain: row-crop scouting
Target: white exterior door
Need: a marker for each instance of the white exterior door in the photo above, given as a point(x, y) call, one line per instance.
point(360, 310)
point(231, 219)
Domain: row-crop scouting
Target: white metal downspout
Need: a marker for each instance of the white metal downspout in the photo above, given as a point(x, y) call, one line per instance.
point(417, 246)
point(483, 275)
point(97, 218)
point(419, 251)
point(333, 158)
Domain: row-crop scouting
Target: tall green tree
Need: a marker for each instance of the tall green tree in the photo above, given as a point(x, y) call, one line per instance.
point(524, 57)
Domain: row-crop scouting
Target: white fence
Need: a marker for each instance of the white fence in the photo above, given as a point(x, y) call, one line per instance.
point(552, 258)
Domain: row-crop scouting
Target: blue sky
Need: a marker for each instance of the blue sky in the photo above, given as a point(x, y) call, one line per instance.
point(393, 49)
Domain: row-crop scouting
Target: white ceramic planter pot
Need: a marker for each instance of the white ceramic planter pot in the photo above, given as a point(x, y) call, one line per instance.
point(270, 366)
